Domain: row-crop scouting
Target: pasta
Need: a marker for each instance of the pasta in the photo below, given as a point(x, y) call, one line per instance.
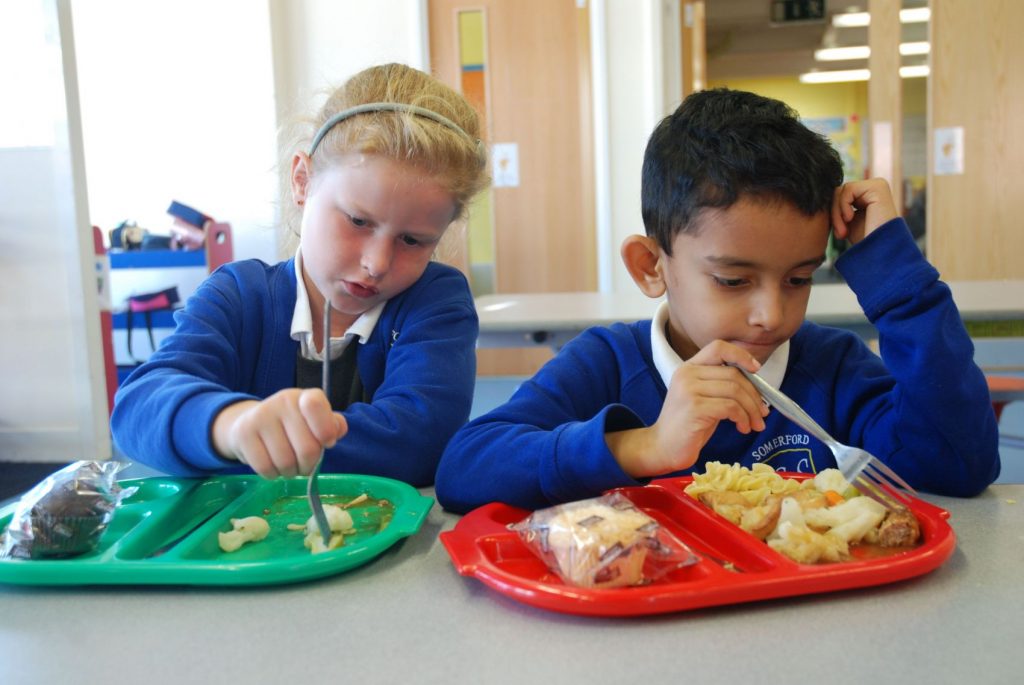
point(754, 484)
point(810, 521)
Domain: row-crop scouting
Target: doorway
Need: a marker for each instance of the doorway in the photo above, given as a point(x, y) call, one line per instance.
point(526, 66)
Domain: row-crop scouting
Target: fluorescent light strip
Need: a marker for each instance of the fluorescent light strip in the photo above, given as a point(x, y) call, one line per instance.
point(844, 75)
point(863, 52)
point(917, 71)
point(918, 48)
point(854, 19)
point(835, 76)
point(841, 54)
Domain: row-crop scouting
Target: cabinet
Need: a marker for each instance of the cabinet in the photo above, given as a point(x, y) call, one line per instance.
point(135, 272)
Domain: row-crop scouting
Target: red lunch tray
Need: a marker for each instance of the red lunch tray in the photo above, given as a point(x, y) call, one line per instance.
point(482, 546)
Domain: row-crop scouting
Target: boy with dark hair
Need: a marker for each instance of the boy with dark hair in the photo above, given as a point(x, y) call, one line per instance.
point(738, 201)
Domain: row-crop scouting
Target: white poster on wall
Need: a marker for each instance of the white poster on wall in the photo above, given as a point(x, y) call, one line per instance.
point(949, 150)
point(506, 165)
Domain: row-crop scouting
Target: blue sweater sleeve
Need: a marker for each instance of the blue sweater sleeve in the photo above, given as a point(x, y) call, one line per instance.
point(925, 408)
point(546, 444)
point(164, 410)
point(420, 364)
point(232, 342)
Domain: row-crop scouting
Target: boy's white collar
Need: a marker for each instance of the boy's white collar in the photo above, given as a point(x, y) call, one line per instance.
point(667, 361)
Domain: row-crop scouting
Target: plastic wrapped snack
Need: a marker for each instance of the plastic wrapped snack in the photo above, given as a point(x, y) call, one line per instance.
point(605, 542)
point(65, 514)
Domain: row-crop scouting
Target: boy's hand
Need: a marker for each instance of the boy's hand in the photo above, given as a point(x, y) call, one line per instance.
point(703, 392)
point(280, 436)
point(860, 207)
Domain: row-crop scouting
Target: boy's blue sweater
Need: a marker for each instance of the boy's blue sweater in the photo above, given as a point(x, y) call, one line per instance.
point(923, 408)
point(233, 342)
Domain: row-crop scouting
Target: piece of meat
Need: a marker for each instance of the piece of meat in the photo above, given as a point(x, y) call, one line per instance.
point(899, 529)
point(760, 521)
point(725, 503)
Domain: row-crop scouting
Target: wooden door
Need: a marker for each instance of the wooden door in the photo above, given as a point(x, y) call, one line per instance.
point(976, 148)
point(536, 95)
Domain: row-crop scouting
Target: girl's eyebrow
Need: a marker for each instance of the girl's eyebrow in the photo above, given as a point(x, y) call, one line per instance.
point(726, 260)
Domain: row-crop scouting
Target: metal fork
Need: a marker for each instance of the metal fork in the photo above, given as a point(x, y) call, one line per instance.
point(859, 467)
point(312, 489)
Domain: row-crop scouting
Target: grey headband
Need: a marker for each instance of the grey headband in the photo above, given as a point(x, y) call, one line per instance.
point(387, 107)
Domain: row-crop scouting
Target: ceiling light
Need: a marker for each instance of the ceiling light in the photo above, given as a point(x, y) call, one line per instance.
point(863, 52)
point(858, 74)
point(907, 16)
point(919, 48)
point(835, 76)
point(917, 71)
point(840, 54)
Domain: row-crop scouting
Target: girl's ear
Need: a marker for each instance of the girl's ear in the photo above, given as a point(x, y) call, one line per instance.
point(302, 168)
point(642, 257)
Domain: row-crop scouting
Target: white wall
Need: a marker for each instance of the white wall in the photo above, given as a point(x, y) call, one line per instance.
point(636, 42)
point(318, 44)
point(177, 102)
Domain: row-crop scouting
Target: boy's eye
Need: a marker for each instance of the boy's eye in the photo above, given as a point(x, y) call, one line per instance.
point(410, 241)
point(729, 282)
point(356, 221)
point(799, 281)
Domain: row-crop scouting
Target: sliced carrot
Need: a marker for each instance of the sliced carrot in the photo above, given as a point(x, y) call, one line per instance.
point(834, 498)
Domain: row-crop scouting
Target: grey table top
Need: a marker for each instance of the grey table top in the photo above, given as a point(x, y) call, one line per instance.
point(525, 319)
point(409, 617)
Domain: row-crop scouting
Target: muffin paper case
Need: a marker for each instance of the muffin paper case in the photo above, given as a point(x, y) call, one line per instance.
point(65, 514)
point(604, 542)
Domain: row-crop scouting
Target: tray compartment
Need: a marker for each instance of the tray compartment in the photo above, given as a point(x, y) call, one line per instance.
point(714, 539)
point(282, 503)
point(201, 509)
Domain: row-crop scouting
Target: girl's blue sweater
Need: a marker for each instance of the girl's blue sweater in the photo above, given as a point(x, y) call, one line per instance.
point(233, 342)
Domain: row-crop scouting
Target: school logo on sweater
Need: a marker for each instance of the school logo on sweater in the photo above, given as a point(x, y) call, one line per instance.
point(790, 452)
point(394, 337)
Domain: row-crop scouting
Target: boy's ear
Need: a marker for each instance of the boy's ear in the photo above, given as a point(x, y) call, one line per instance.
point(301, 168)
point(642, 257)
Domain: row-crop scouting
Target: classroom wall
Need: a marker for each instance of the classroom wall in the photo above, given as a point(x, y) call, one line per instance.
point(318, 44)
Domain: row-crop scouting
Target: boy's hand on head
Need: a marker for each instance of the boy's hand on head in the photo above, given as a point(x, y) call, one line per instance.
point(703, 392)
point(860, 207)
point(281, 435)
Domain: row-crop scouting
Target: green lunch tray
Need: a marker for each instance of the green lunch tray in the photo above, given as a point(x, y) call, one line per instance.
point(166, 533)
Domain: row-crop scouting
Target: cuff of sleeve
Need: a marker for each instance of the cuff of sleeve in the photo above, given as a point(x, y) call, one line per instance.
point(192, 428)
point(886, 268)
point(584, 466)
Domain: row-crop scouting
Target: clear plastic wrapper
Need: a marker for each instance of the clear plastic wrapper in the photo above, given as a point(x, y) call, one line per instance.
point(604, 542)
point(65, 514)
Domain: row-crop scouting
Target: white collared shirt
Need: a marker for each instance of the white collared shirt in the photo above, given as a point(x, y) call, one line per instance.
point(667, 361)
point(302, 322)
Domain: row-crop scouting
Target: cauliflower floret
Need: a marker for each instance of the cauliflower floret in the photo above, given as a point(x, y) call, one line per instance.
point(338, 520)
point(803, 545)
point(797, 541)
point(831, 479)
point(248, 529)
point(851, 520)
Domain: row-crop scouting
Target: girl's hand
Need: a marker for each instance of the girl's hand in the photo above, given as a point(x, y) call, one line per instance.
point(703, 392)
point(860, 207)
point(280, 436)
